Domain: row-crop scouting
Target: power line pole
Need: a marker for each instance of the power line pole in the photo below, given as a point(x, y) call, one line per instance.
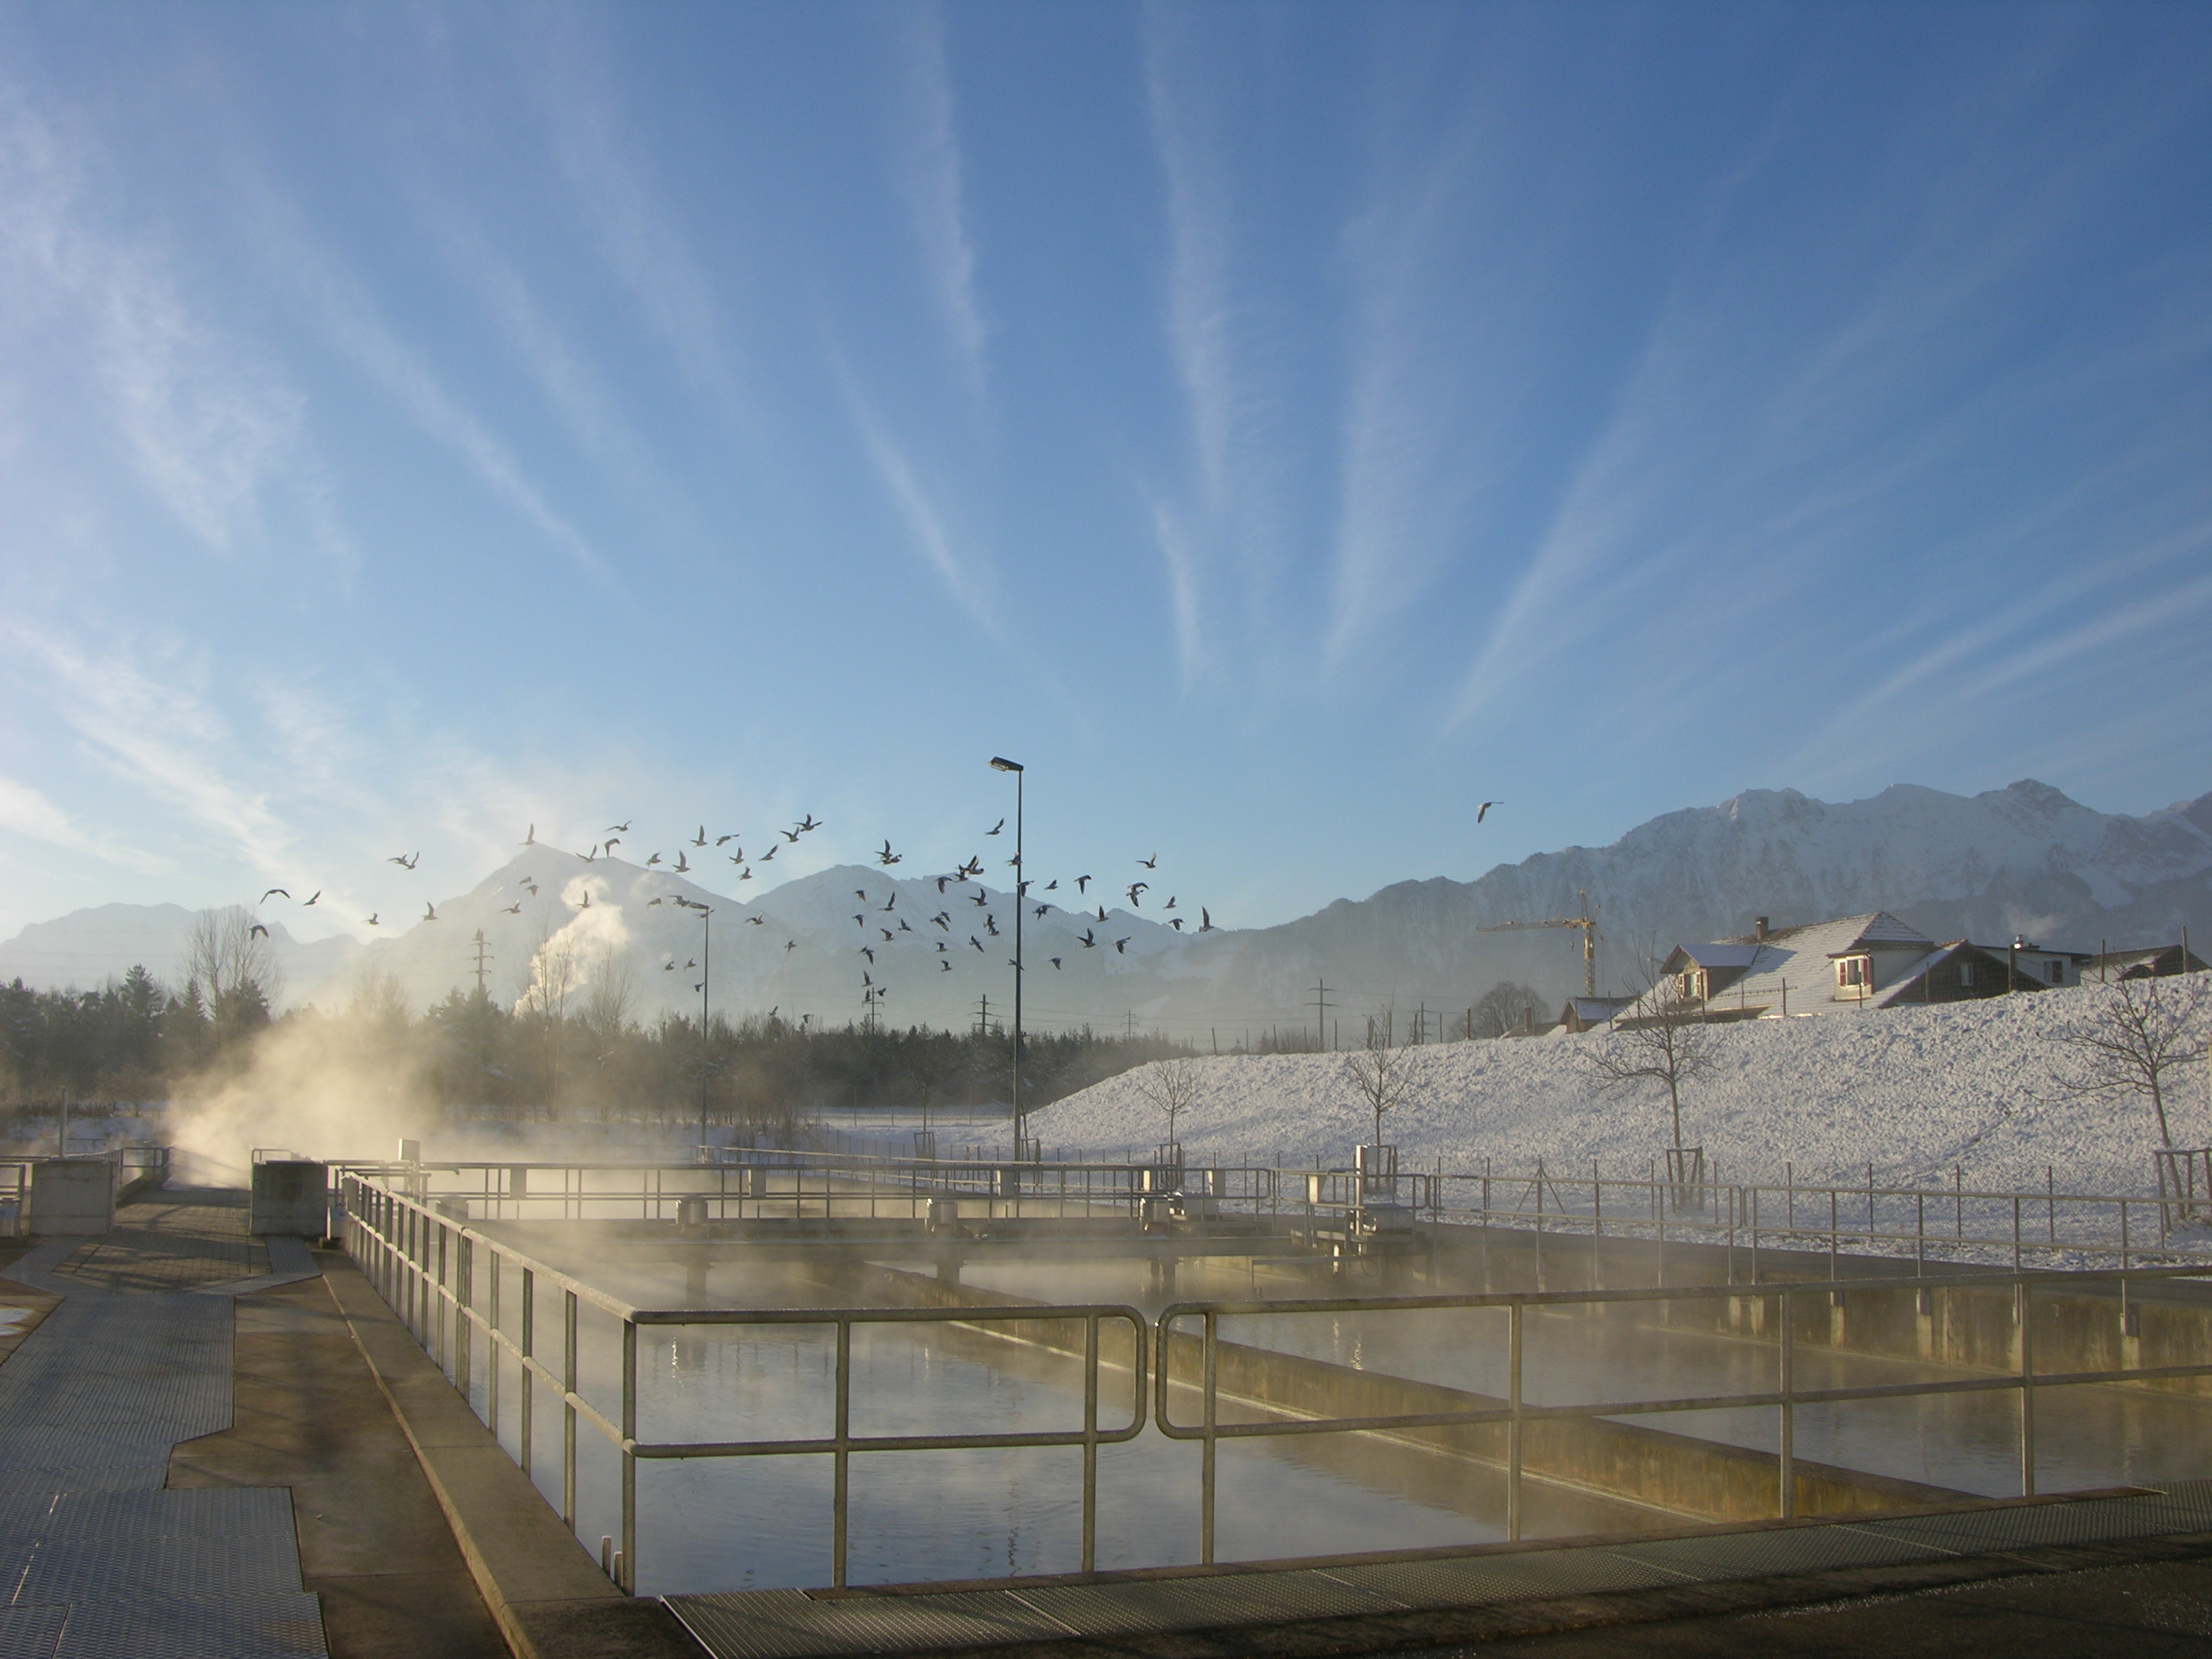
point(984, 1017)
point(481, 958)
point(1320, 1005)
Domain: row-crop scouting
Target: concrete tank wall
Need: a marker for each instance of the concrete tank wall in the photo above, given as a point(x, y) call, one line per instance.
point(71, 1197)
point(290, 1198)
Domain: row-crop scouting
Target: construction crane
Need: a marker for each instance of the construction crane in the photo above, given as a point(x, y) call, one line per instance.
point(1587, 922)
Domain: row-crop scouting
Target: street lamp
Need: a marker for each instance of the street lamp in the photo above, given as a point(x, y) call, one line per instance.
point(1000, 763)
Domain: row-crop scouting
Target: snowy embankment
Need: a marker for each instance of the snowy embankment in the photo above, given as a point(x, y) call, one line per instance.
point(1913, 1092)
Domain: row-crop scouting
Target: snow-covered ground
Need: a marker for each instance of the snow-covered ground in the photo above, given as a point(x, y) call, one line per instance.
point(1914, 1091)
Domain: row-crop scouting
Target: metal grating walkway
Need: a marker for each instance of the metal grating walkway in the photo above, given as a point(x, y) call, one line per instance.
point(793, 1625)
point(98, 1556)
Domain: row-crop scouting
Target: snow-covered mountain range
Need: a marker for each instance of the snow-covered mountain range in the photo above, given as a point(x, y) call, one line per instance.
point(2022, 860)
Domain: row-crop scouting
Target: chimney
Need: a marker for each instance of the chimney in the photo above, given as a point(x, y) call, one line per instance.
point(1759, 926)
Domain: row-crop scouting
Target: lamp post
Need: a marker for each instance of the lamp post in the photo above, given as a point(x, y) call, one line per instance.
point(1000, 763)
point(706, 990)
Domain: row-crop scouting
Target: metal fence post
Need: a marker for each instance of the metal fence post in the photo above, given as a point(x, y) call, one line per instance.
point(1205, 1447)
point(491, 1344)
point(839, 1455)
point(1090, 1443)
point(529, 1353)
point(1513, 1328)
point(2024, 1310)
point(626, 1569)
point(1786, 1457)
point(568, 1410)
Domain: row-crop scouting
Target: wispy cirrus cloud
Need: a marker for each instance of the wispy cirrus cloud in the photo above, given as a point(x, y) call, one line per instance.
point(626, 214)
point(212, 427)
point(924, 519)
point(353, 323)
point(932, 179)
point(27, 811)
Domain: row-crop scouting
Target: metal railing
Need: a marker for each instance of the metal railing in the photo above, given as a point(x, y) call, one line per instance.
point(1950, 1225)
point(423, 1262)
point(1785, 1397)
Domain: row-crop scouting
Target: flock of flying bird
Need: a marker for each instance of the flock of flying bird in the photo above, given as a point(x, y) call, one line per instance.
point(873, 992)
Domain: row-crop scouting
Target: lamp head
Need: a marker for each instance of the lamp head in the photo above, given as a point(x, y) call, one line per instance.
point(1000, 763)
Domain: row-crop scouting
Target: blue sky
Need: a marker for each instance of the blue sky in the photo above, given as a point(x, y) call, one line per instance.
point(1282, 428)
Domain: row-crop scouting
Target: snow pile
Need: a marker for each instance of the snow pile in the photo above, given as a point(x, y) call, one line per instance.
point(1913, 1092)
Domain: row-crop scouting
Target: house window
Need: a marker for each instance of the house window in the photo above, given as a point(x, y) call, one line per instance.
point(1966, 976)
point(1853, 970)
point(2059, 973)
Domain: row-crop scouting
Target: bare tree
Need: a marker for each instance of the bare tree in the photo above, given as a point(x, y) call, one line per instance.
point(1378, 1071)
point(611, 997)
point(552, 978)
point(225, 957)
point(2139, 1034)
point(1169, 1086)
point(1663, 1038)
point(1503, 1007)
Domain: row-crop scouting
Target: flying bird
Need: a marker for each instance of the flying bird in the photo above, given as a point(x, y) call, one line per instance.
point(1055, 961)
point(869, 951)
point(861, 894)
point(862, 920)
point(1088, 943)
point(404, 862)
point(1169, 905)
point(429, 912)
point(531, 885)
point(1152, 863)
point(1083, 883)
point(1053, 886)
point(974, 867)
point(592, 857)
point(1176, 924)
point(891, 903)
point(887, 858)
point(721, 840)
point(940, 947)
point(773, 849)
point(1481, 811)
point(691, 965)
point(791, 835)
point(995, 828)
point(982, 897)
point(655, 859)
point(257, 929)
point(514, 910)
point(904, 927)
point(318, 893)
point(263, 899)
point(682, 867)
point(889, 936)
point(946, 966)
point(586, 904)
point(1102, 912)
point(615, 829)
point(700, 839)
point(1041, 909)
point(943, 920)
point(649, 904)
point(531, 839)
point(372, 920)
point(613, 842)
point(1135, 888)
point(809, 822)
point(991, 925)
point(1118, 942)
point(942, 882)
point(1204, 920)
point(790, 945)
point(757, 921)
point(973, 940)
point(667, 967)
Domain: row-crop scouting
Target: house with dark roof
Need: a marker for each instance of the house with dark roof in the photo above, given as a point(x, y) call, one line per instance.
point(1839, 966)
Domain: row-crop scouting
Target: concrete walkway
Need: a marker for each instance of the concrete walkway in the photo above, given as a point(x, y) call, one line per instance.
point(195, 1460)
point(98, 1556)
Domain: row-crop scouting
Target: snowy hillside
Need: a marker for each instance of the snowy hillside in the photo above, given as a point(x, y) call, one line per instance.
point(1914, 1091)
